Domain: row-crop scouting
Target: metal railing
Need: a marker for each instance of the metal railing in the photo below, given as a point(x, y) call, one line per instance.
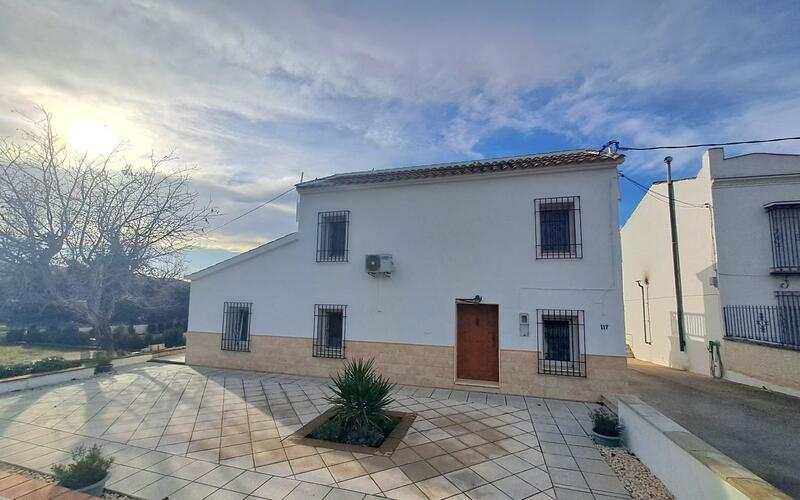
point(775, 325)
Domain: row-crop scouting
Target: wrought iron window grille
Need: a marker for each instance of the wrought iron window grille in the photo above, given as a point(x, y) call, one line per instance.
point(561, 342)
point(236, 318)
point(329, 331)
point(784, 225)
point(558, 227)
point(333, 233)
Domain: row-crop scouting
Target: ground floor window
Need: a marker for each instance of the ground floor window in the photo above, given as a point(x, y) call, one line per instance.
point(329, 330)
point(236, 326)
point(561, 342)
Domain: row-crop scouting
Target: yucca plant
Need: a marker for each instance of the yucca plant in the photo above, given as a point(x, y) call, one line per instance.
point(361, 396)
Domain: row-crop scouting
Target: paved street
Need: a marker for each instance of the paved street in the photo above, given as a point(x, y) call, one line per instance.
point(203, 433)
point(757, 428)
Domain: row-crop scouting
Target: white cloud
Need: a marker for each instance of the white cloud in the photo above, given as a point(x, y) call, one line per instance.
point(255, 92)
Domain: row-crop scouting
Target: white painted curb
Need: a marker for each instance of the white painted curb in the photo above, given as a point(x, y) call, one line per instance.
point(41, 380)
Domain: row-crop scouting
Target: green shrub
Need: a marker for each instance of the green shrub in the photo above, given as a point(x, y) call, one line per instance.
point(360, 396)
point(174, 337)
point(45, 365)
point(53, 364)
point(103, 361)
point(15, 370)
point(127, 342)
point(87, 467)
point(606, 423)
point(36, 335)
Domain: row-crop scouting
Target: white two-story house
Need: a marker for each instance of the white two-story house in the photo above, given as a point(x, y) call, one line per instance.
point(499, 274)
point(738, 226)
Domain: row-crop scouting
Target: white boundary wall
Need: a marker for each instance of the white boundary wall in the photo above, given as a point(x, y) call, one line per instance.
point(688, 466)
point(34, 381)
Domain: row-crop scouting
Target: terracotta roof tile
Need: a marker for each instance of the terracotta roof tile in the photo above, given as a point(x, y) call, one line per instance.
point(487, 166)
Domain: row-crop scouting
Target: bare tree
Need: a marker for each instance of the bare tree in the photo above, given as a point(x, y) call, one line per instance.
point(75, 230)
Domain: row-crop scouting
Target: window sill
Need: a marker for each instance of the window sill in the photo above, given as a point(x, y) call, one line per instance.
point(785, 272)
point(329, 353)
point(551, 368)
point(236, 346)
point(557, 256)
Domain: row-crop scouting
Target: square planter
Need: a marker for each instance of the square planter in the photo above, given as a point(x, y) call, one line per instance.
point(386, 448)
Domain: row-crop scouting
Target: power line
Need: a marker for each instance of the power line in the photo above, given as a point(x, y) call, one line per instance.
point(659, 196)
point(662, 199)
point(250, 211)
point(615, 146)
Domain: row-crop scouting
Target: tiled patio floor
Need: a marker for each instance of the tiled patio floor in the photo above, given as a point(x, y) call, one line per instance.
point(193, 433)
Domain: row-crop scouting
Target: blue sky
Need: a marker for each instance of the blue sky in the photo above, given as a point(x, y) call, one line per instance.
point(253, 93)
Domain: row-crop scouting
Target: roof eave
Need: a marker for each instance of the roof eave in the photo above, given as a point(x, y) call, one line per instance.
point(325, 182)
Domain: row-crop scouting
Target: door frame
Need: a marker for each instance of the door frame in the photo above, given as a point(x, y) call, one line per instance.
point(468, 382)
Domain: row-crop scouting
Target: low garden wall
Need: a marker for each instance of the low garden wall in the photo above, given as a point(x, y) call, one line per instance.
point(688, 466)
point(42, 379)
point(762, 366)
point(131, 360)
point(170, 351)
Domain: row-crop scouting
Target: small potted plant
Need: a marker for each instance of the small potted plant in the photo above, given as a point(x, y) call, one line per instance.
point(606, 428)
point(87, 472)
point(103, 365)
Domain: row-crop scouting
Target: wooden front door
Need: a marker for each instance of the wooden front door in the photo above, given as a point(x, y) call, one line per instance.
point(477, 342)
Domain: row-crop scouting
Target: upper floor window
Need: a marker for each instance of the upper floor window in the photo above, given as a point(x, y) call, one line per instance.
point(236, 326)
point(558, 227)
point(333, 230)
point(329, 323)
point(784, 225)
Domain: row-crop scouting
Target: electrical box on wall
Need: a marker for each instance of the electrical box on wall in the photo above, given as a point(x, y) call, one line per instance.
point(524, 325)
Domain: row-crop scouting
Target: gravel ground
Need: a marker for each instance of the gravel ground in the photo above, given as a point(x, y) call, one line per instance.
point(635, 476)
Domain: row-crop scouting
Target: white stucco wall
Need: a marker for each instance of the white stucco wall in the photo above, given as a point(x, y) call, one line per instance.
point(738, 238)
point(647, 255)
point(450, 239)
point(741, 187)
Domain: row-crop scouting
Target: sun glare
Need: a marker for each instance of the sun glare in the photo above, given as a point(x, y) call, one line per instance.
point(89, 136)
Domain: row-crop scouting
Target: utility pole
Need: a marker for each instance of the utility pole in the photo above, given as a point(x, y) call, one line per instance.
point(676, 259)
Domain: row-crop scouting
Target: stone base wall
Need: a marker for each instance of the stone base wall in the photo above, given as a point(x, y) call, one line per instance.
point(776, 368)
point(412, 364)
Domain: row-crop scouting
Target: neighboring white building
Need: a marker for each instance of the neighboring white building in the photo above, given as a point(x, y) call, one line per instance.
point(739, 240)
point(502, 274)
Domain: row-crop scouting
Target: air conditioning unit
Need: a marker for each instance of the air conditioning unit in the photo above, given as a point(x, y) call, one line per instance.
point(380, 263)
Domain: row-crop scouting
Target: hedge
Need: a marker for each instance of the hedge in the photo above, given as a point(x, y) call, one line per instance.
point(45, 365)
